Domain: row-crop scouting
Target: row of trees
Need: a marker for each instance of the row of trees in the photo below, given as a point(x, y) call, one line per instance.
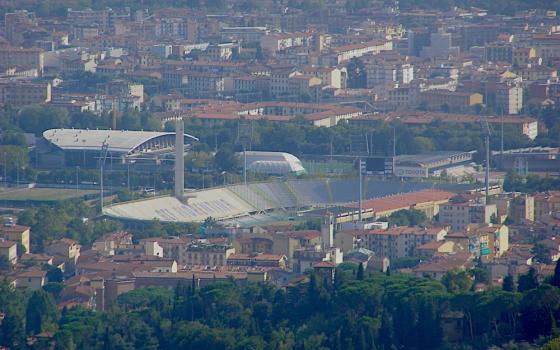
point(356, 311)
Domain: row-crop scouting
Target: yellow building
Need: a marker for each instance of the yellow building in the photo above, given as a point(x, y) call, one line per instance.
point(9, 250)
point(453, 99)
point(16, 233)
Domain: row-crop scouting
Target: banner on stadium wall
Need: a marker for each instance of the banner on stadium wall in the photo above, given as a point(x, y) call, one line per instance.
point(409, 171)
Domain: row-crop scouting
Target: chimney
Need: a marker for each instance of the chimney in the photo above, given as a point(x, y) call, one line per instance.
point(179, 158)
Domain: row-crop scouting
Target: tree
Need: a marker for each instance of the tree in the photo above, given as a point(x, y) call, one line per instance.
point(555, 281)
point(360, 273)
point(54, 274)
point(357, 77)
point(36, 119)
point(41, 314)
point(457, 281)
point(5, 263)
point(226, 159)
point(528, 281)
point(508, 284)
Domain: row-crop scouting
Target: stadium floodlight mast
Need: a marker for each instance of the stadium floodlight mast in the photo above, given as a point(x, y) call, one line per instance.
point(487, 133)
point(104, 150)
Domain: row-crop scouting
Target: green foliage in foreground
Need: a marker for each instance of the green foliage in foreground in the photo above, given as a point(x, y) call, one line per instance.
point(376, 312)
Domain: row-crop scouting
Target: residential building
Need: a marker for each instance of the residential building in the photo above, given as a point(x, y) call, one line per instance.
point(8, 249)
point(509, 98)
point(522, 209)
point(545, 204)
point(486, 241)
point(438, 266)
point(17, 233)
point(463, 210)
point(22, 58)
point(345, 53)
point(67, 248)
point(330, 76)
point(31, 279)
point(305, 259)
point(523, 56)
point(440, 46)
point(206, 253)
point(387, 69)
point(257, 260)
point(19, 93)
point(498, 53)
point(454, 100)
point(395, 242)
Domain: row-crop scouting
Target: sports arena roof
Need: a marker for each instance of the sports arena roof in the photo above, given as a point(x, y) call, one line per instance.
point(119, 141)
point(273, 163)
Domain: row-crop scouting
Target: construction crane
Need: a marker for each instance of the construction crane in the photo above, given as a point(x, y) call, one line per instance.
point(487, 133)
point(104, 150)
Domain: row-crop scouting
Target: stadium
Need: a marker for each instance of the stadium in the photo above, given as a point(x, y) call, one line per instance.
point(264, 202)
point(239, 205)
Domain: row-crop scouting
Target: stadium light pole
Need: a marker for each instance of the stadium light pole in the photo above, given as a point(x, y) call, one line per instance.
point(360, 196)
point(245, 164)
point(77, 178)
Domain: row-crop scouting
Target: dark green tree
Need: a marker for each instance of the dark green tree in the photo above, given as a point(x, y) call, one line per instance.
point(41, 314)
point(555, 280)
point(528, 281)
point(508, 284)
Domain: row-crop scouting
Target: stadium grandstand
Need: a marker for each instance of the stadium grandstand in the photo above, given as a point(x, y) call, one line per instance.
point(83, 147)
point(243, 204)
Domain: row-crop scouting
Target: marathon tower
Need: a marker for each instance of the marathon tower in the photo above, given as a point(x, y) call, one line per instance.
point(179, 158)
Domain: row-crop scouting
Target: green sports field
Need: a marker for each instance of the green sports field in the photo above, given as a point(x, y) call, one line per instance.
point(42, 194)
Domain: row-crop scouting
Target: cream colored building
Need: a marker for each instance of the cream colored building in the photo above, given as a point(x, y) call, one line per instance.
point(24, 93)
point(396, 242)
point(20, 57)
point(460, 212)
point(8, 249)
point(17, 233)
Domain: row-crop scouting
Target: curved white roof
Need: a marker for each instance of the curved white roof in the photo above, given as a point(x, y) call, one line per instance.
point(276, 163)
point(122, 141)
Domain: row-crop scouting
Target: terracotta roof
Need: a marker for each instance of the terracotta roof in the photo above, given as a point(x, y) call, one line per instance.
point(324, 264)
point(404, 201)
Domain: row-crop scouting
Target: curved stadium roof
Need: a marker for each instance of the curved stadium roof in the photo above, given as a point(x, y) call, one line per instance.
point(119, 141)
point(274, 163)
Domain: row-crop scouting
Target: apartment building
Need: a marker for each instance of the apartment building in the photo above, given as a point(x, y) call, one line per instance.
point(384, 71)
point(522, 209)
point(19, 93)
point(207, 253)
point(347, 52)
point(462, 211)
point(396, 242)
point(509, 97)
point(487, 241)
point(22, 58)
point(455, 100)
point(523, 55)
point(257, 260)
point(546, 204)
